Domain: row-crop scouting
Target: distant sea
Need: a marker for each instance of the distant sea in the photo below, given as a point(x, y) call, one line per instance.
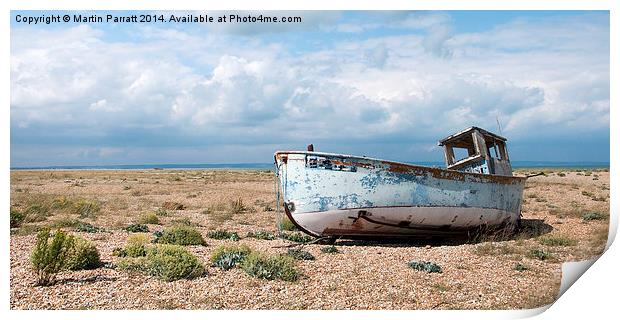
point(269, 166)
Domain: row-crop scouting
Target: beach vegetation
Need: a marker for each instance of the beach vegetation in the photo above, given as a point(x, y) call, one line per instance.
point(137, 227)
point(148, 218)
point(261, 235)
point(83, 255)
point(589, 216)
point(166, 262)
point(227, 257)
point(86, 208)
point(429, 267)
point(50, 254)
point(557, 240)
point(181, 235)
point(268, 267)
point(299, 254)
point(297, 237)
point(223, 235)
point(16, 218)
point(329, 249)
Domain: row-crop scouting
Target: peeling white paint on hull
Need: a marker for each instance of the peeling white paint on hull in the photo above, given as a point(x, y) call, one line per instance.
point(331, 195)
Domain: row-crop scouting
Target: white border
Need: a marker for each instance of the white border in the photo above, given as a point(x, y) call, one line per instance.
point(591, 296)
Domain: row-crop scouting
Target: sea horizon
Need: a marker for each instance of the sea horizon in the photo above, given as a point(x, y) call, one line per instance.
point(269, 166)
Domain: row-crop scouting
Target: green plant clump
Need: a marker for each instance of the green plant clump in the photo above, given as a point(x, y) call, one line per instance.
point(261, 235)
point(228, 257)
point(87, 227)
point(83, 256)
point(148, 218)
point(49, 257)
point(593, 216)
point(286, 224)
point(563, 241)
point(539, 254)
point(519, 267)
point(223, 234)
point(329, 249)
point(161, 212)
point(296, 237)
point(184, 221)
point(270, 267)
point(137, 227)
point(16, 218)
point(36, 212)
point(181, 235)
point(429, 267)
point(86, 208)
point(237, 206)
point(298, 254)
point(136, 246)
point(166, 262)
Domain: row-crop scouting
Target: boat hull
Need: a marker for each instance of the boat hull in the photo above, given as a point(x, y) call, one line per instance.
point(340, 195)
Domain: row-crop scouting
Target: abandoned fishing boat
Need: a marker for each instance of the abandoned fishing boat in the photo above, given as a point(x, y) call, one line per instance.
point(330, 195)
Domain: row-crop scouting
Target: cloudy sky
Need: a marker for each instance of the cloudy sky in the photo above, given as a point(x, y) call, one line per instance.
point(381, 84)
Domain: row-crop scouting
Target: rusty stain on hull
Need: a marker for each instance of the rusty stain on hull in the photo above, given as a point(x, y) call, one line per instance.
point(335, 194)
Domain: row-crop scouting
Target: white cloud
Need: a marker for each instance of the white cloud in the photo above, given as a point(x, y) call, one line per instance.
point(226, 89)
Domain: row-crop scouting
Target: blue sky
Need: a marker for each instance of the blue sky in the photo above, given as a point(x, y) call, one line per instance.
point(376, 83)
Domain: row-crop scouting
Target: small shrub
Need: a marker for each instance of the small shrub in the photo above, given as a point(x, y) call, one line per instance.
point(539, 254)
point(181, 235)
point(136, 245)
point(148, 218)
point(561, 174)
point(49, 257)
point(298, 254)
point(329, 249)
point(429, 267)
point(140, 264)
point(64, 222)
point(270, 267)
point(286, 224)
point(184, 221)
point(86, 208)
point(237, 206)
point(137, 227)
point(587, 194)
point(297, 237)
point(228, 257)
point(171, 262)
point(261, 235)
point(161, 212)
point(36, 212)
point(166, 262)
point(223, 234)
point(87, 227)
point(62, 202)
point(519, 267)
point(83, 256)
point(593, 216)
point(560, 240)
point(119, 252)
point(170, 205)
point(17, 218)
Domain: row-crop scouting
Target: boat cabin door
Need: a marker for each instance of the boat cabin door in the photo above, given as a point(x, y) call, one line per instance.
point(477, 150)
